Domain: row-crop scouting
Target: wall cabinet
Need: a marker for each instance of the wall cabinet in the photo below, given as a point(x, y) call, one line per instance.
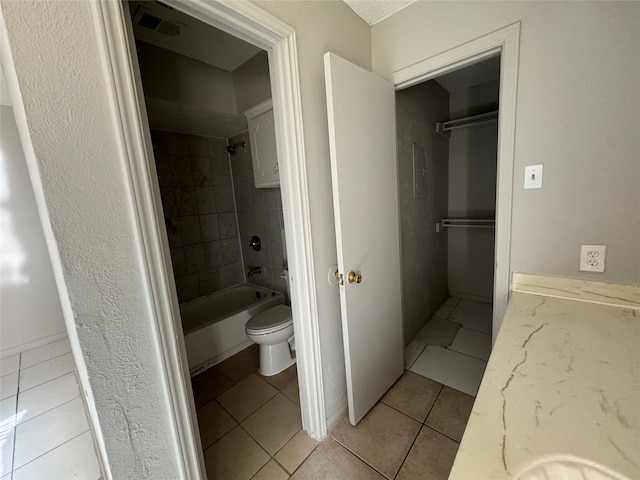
point(262, 137)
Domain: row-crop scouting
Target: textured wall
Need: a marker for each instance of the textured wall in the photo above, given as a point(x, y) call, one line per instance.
point(62, 82)
point(577, 113)
point(424, 252)
point(25, 266)
point(472, 192)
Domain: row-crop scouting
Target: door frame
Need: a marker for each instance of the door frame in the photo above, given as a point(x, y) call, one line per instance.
point(252, 24)
point(506, 42)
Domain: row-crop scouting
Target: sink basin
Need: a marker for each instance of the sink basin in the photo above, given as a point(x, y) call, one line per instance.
point(566, 467)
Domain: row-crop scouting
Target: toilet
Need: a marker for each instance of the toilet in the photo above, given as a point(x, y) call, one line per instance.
point(272, 329)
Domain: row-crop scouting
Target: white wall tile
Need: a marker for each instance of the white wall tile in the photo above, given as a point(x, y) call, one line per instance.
point(6, 450)
point(74, 459)
point(9, 365)
point(45, 352)
point(8, 409)
point(43, 398)
point(8, 385)
point(45, 371)
point(45, 432)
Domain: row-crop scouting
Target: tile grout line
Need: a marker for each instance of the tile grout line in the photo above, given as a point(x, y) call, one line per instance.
point(47, 381)
point(360, 458)
point(15, 415)
point(47, 360)
point(54, 448)
point(47, 411)
point(409, 451)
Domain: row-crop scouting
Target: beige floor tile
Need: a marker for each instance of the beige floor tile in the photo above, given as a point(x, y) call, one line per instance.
point(273, 424)
point(242, 364)
point(282, 379)
point(292, 390)
point(430, 458)
point(382, 438)
point(330, 461)
point(209, 384)
point(413, 395)
point(450, 413)
point(296, 451)
point(236, 456)
point(214, 422)
point(246, 397)
point(271, 471)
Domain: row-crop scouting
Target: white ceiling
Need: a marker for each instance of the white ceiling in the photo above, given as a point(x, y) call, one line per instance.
point(196, 39)
point(374, 11)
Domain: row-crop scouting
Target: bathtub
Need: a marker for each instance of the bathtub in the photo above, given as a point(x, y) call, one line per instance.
point(213, 325)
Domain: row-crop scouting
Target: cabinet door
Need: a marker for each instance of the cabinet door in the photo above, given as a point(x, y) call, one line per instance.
point(264, 155)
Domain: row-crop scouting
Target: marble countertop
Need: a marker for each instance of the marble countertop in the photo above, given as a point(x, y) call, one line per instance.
point(563, 378)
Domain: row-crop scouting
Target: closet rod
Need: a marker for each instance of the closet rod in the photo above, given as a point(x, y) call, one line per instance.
point(465, 222)
point(442, 127)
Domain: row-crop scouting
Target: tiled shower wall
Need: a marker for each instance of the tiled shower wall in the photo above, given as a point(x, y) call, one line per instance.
point(197, 190)
point(259, 213)
point(197, 198)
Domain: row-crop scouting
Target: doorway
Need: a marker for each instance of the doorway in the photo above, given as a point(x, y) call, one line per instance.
point(224, 227)
point(447, 133)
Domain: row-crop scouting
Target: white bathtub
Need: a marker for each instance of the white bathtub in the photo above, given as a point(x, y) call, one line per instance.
point(213, 326)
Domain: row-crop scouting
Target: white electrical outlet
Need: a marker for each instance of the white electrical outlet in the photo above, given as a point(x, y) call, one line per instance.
point(592, 258)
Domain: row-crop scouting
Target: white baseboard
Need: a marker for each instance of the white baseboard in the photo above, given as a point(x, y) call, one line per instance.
point(7, 352)
point(335, 416)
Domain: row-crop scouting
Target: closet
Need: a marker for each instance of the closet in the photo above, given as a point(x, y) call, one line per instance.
point(447, 133)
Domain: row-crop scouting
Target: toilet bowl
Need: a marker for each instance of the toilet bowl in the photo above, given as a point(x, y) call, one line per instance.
point(272, 329)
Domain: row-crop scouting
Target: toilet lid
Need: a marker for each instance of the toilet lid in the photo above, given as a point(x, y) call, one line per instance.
point(278, 316)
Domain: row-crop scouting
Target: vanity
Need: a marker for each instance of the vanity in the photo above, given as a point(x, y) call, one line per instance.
point(563, 380)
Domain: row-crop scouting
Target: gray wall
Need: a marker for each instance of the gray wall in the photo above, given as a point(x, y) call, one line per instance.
point(424, 252)
point(577, 113)
point(251, 82)
point(472, 193)
point(199, 209)
point(170, 76)
point(30, 309)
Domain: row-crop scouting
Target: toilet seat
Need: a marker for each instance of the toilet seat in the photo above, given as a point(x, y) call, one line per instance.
point(270, 321)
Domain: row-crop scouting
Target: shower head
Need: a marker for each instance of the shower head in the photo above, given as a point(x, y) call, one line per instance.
point(232, 148)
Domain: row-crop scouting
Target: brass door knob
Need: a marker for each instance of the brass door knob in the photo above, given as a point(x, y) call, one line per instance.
point(354, 277)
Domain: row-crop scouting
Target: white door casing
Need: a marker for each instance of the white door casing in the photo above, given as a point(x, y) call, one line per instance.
point(362, 138)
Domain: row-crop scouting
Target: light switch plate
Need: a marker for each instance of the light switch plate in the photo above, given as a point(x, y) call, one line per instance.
point(532, 176)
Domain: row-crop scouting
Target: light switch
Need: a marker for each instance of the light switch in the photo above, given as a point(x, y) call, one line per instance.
point(532, 176)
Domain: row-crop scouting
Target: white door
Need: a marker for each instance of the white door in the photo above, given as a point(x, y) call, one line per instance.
point(362, 137)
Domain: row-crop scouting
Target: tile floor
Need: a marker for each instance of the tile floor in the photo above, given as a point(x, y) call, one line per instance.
point(250, 428)
point(454, 346)
point(44, 431)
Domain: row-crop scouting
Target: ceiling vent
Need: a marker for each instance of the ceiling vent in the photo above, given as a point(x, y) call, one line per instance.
point(148, 20)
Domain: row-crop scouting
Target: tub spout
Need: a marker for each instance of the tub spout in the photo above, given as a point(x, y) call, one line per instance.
point(253, 270)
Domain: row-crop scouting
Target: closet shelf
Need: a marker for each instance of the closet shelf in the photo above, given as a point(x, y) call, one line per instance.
point(442, 127)
point(465, 222)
